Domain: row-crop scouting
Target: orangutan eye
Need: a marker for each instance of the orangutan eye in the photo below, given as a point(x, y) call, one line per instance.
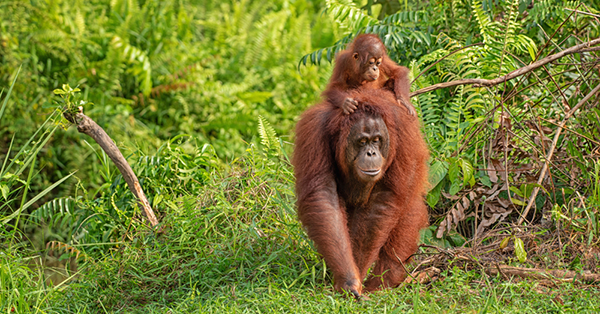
point(363, 142)
point(376, 140)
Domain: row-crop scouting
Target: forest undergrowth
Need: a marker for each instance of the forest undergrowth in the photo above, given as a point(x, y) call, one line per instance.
point(202, 97)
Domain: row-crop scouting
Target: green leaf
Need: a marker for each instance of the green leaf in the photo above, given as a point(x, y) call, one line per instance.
point(8, 93)
point(255, 97)
point(437, 172)
point(467, 169)
point(504, 242)
point(453, 170)
point(454, 187)
point(531, 52)
point(528, 189)
point(520, 250)
point(157, 199)
point(518, 202)
point(5, 191)
point(516, 191)
point(433, 196)
point(8, 176)
point(485, 180)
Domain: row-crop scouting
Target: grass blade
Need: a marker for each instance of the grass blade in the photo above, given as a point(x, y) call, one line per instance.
point(33, 200)
point(8, 94)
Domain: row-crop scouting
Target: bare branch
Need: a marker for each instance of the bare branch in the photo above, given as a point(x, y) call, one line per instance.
point(535, 273)
point(583, 12)
point(87, 126)
point(516, 73)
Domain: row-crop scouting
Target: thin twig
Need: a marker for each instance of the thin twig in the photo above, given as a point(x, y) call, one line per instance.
point(574, 132)
point(590, 49)
point(584, 13)
point(535, 273)
point(403, 266)
point(491, 111)
point(551, 152)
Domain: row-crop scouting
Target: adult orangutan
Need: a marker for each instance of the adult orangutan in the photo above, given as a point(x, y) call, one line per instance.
point(361, 179)
point(365, 64)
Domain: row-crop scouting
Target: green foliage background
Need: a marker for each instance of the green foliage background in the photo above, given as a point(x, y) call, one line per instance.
point(202, 98)
point(157, 69)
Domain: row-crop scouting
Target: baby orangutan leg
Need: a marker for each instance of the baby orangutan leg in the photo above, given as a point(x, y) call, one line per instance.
point(408, 106)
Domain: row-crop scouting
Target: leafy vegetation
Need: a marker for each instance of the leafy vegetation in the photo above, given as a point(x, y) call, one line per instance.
point(202, 97)
point(477, 134)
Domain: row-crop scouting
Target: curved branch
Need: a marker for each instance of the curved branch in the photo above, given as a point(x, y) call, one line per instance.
point(516, 73)
point(88, 126)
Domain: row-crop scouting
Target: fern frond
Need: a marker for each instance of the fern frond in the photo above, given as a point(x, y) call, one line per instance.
point(348, 15)
point(269, 29)
point(483, 20)
point(54, 210)
point(453, 116)
point(267, 134)
point(511, 24)
point(60, 246)
point(316, 56)
point(406, 17)
point(430, 111)
point(142, 68)
point(80, 22)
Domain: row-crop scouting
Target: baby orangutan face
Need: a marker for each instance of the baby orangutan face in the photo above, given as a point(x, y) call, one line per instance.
point(369, 70)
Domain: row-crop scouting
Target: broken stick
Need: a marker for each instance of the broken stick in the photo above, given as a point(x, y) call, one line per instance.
point(535, 273)
point(88, 126)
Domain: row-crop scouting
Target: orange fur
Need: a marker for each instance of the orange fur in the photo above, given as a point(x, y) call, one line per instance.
point(384, 229)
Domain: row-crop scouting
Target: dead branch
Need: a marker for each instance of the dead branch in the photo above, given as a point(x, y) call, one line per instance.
point(584, 13)
point(535, 273)
point(516, 73)
point(551, 152)
point(423, 276)
point(87, 126)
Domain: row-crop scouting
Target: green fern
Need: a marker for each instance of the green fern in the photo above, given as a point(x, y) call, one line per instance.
point(141, 69)
point(454, 120)
point(399, 32)
point(347, 14)
point(550, 12)
point(268, 136)
point(57, 213)
point(486, 26)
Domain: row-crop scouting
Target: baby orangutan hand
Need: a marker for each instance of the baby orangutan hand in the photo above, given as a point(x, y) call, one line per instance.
point(349, 105)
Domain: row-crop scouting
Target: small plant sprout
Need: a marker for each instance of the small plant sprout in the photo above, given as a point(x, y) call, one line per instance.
point(70, 104)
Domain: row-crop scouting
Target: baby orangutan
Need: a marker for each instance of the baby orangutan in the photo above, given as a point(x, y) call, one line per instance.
point(365, 64)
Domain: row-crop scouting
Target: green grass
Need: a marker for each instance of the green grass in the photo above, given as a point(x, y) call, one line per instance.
point(145, 285)
point(234, 245)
